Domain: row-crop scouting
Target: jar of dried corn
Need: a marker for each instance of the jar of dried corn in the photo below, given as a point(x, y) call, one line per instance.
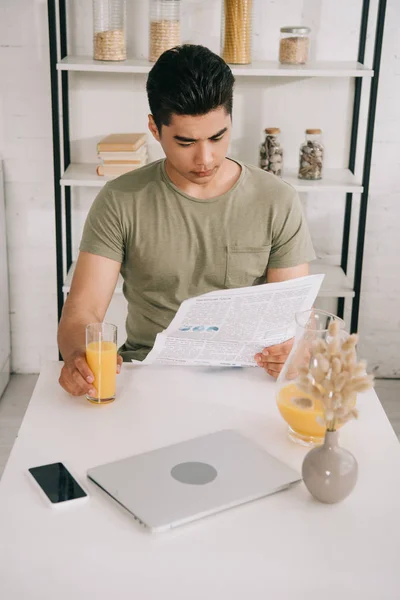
point(165, 26)
point(109, 36)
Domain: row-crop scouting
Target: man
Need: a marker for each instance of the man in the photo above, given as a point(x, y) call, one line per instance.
point(176, 228)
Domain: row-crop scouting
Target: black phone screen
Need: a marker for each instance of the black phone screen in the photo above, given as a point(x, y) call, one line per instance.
point(57, 483)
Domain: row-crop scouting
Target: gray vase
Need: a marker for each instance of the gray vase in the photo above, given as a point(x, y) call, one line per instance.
point(330, 472)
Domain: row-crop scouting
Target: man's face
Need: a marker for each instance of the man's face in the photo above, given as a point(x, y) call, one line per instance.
point(195, 146)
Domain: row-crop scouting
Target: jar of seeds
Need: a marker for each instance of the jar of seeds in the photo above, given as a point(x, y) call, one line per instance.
point(165, 26)
point(271, 152)
point(109, 18)
point(294, 45)
point(311, 155)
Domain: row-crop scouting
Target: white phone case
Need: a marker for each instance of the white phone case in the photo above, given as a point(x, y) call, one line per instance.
point(46, 499)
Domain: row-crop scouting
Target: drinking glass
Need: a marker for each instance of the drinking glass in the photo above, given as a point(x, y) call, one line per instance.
point(101, 356)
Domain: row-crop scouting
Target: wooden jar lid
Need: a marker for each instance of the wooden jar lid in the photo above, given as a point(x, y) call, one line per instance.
point(272, 130)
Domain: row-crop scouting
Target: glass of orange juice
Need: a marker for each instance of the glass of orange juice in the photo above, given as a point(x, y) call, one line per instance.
point(101, 356)
point(303, 413)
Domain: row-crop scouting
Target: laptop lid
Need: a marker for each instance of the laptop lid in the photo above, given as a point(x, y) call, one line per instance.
point(177, 484)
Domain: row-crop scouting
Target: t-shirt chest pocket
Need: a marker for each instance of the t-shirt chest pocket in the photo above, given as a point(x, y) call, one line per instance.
point(246, 265)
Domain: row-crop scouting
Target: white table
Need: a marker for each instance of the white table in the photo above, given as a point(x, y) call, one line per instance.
point(286, 546)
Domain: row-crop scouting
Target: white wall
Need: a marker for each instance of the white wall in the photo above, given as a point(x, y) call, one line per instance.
point(26, 146)
point(101, 103)
point(380, 304)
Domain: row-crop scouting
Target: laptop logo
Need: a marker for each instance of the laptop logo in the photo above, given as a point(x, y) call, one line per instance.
point(194, 473)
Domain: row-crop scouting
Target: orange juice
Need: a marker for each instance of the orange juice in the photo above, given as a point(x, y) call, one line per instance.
point(303, 413)
point(102, 360)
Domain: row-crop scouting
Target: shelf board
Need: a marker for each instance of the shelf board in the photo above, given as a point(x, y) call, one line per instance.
point(255, 69)
point(83, 175)
point(335, 285)
point(335, 180)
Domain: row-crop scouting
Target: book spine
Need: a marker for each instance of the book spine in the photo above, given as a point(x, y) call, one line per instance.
point(113, 170)
point(123, 162)
point(119, 147)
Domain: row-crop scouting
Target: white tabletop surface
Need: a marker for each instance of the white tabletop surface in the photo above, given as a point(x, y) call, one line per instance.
point(286, 546)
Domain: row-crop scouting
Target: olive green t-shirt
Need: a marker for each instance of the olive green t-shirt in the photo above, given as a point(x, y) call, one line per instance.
point(172, 246)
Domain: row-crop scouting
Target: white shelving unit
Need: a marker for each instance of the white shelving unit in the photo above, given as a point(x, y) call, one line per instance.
point(335, 284)
point(334, 180)
point(68, 175)
point(255, 69)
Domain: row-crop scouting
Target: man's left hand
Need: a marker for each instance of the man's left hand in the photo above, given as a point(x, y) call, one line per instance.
point(273, 358)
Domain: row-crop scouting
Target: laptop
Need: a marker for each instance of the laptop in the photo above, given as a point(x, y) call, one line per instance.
point(177, 484)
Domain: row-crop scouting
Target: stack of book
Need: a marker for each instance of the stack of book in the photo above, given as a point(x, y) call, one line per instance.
point(120, 153)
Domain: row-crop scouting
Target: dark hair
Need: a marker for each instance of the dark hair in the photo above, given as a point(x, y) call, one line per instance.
point(188, 80)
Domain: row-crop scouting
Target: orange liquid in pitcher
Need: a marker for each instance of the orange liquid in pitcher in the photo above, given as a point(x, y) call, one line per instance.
point(301, 420)
point(102, 360)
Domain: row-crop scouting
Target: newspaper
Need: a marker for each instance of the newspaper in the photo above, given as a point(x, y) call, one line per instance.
point(228, 327)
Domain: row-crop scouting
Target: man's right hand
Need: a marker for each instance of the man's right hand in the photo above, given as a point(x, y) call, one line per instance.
point(76, 378)
point(92, 288)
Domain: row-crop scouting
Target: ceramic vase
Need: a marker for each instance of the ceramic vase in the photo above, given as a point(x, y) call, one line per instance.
point(329, 471)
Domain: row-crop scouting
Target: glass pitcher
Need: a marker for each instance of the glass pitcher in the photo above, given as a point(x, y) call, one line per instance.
point(303, 413)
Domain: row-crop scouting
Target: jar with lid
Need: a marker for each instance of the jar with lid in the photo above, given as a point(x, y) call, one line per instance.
point(236, 31)
point(165, 26)
point(271, 152)
point(311, 155)
point(109, 35)
point(294, 45)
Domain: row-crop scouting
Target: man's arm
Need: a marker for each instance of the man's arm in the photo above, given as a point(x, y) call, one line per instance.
point(277, 275)
point(92, 288)
point(273, 358)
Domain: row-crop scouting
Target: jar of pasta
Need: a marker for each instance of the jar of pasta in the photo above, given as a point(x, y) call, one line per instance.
point(236, 31)
point(165, 26)
point(109, 38)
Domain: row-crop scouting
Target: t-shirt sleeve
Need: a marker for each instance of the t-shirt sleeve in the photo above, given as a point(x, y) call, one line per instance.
point(291, 240)
point(103, 232)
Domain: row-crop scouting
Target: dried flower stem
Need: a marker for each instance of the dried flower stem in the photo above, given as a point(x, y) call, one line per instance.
point(335, 376)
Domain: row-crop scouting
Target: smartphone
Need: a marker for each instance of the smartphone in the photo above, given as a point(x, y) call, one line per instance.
point(57, 483)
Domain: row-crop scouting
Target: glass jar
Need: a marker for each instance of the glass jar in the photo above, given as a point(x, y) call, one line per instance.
point(304, 413)
point(109, 36)
point(311, 155)
point(294, 45)
point(165, 26)
point(236, 31)
point(271, 152)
